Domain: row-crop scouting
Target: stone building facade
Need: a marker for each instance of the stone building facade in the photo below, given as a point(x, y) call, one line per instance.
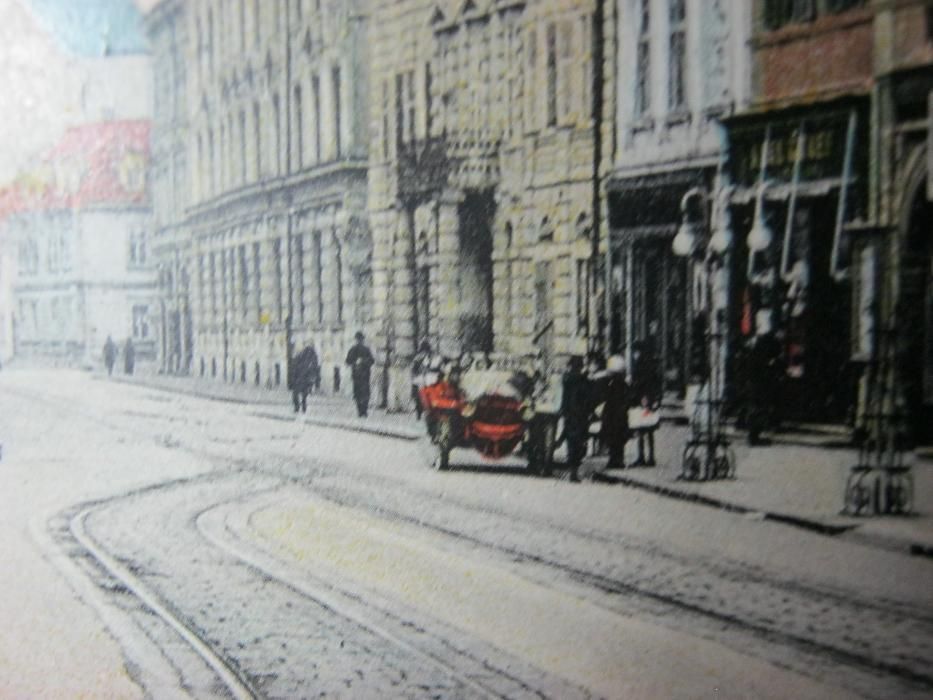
point(169, 182)
point(485, 161)
point(275, 244)
point(682, 68)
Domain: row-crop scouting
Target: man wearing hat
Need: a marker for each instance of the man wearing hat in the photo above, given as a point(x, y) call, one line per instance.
point(615, 430)
point(360, 360)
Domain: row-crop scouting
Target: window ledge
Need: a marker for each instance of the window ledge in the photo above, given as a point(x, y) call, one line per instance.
point(677, 118)
point(642, 124)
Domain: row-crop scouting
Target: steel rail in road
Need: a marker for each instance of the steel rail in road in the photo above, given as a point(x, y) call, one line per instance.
point(239, 687)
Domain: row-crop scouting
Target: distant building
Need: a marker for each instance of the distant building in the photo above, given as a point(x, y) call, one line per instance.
point(79, 224)
point(485, 162)
point(273, 247)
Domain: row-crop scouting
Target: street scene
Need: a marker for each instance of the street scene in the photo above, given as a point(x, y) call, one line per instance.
point(455, 348)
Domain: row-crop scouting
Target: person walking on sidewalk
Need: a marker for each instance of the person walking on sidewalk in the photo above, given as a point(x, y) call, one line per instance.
point(575, 410)
point(129, 356)
point(305, 369)
point(615, 428)
point(110, 355)
point(360, 359)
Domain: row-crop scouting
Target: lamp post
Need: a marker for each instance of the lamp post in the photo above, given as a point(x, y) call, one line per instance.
point(707, 453)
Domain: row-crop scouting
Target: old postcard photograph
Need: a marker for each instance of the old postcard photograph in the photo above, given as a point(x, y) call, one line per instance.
point(466, 349)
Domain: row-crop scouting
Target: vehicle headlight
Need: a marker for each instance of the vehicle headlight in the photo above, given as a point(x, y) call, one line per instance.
point(468, 409)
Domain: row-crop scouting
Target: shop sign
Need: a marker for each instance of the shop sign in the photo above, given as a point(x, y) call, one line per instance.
point(823, 155)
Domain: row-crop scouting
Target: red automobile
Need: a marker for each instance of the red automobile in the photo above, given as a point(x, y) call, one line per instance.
point(493, 412)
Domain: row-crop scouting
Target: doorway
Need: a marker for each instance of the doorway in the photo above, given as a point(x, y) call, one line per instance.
point(475, 214)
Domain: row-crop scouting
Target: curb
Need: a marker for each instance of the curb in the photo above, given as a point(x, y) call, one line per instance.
point(729, 507)
point(349, 426)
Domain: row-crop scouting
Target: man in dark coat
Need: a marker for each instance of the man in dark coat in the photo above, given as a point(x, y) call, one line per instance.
point(129, 356)
point(305, 369)
point(762, 383)
point(110, 354)
point(360, 359)
point(615, 430)
point(575, 410)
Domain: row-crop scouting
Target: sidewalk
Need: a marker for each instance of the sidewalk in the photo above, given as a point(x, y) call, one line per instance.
point(795, 480)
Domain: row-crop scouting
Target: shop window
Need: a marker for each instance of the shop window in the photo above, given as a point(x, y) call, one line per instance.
point(643, 62)
point(781, 12)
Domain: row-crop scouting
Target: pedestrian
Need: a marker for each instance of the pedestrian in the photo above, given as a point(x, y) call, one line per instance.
point(305, 370)
point(575, 410)
point(129, 356)
point(420, 366)
point(646, 387)
point(762, 372)
point(360, 359)
point(614, 431)
point(110, 355)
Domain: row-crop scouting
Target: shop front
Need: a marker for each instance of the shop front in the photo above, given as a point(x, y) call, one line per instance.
point(798, 177)
point(650, 306)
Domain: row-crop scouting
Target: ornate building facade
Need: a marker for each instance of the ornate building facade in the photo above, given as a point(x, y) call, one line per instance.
point(681, 69)
point(485, 162)
point(276, 249)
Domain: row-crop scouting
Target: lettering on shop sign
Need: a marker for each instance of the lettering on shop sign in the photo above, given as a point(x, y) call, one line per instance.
point(823, 152)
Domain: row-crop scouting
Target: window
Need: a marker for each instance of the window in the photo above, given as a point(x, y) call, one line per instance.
point(257, 134)
point(427, 99)
point(643, 62)
point(677, 83)
point(244, 281)
point(28, 257)
point(781, 12)
point(277, 278)
point(338, 146)
point(299, 130)
point(583, 295)
point(318, 277)
point(140, 322)
point(257, 280)
point(386, 106)
point(299, 255)
point(213, 283)
point(277, 133)
point(551, 39)
point(137, 256)
point(243, 172)
point(316, 96)
point(399, 110)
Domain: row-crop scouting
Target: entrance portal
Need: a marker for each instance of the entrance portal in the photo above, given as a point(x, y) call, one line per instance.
point(915, 317)
point(475, 217)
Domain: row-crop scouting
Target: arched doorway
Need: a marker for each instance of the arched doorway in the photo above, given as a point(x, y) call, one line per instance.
point(915, 312)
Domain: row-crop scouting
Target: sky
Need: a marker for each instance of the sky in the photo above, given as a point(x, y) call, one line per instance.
point(49, 49)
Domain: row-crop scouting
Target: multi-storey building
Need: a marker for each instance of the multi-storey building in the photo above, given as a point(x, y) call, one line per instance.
point(169, 182)
point(80, 223)
point(798, 169)
point(892, 250)
point(276, 245)
point(682, 67)
point(485, 160)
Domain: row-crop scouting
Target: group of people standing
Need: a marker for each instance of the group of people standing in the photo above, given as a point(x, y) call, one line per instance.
point(602, 392)
point(111, 352)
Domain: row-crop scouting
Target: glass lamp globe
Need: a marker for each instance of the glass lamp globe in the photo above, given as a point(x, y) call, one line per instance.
point(685, 241)
point(760, 237)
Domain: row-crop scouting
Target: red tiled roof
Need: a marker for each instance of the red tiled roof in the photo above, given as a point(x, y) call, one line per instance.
point(93, 164)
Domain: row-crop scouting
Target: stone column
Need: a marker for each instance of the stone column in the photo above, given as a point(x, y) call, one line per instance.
point(445, 295)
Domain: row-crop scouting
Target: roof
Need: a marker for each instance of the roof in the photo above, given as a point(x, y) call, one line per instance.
point(92, 165)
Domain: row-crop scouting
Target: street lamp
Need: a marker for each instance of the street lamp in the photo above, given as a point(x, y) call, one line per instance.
point(707, 453)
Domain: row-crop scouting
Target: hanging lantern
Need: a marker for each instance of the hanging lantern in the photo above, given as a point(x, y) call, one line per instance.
point(685, 242)
point(721, 240)
point(760, 237)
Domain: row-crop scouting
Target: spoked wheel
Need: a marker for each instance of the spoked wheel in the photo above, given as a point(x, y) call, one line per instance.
point(442, 439)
